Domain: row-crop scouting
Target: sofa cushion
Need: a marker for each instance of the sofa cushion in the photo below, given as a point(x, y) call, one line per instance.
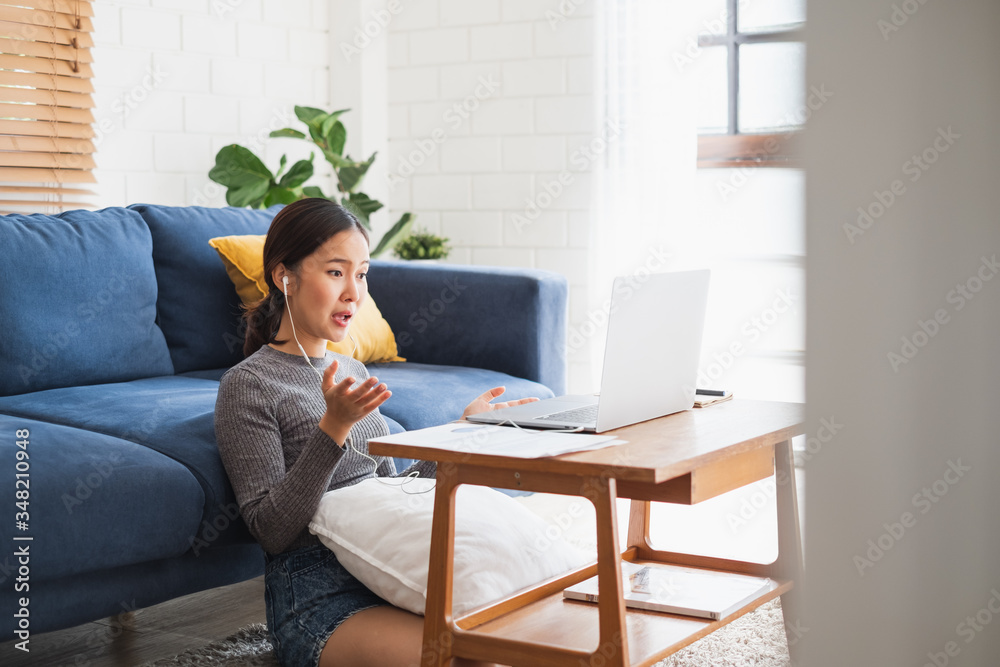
point(199, 311)
point(430, 395)
point(97, 501)
point(172, 415)
point(79, 301)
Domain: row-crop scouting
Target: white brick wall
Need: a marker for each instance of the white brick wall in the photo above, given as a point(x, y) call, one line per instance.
point(487, 101)
point(500, 42)
point(176, 80)
point(500, 151)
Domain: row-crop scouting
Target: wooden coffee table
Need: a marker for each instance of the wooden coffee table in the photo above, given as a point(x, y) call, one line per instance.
point(683, 458)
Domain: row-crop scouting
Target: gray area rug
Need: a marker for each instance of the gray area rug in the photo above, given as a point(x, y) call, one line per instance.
point(754, 640)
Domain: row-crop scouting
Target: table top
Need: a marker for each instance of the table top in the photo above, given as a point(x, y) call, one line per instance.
point(656, 450)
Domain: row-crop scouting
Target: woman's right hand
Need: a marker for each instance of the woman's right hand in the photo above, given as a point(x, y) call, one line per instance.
point(346, 406)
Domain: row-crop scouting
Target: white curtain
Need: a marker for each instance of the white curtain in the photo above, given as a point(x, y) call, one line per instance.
point(647, 108)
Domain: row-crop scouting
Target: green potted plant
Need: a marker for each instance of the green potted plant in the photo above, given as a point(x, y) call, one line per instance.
point(421, 245)
point(250, 183)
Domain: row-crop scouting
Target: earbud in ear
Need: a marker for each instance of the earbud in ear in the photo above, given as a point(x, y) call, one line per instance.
point(284, 281)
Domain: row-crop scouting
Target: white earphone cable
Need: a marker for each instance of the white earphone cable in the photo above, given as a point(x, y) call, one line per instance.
point(350, 443)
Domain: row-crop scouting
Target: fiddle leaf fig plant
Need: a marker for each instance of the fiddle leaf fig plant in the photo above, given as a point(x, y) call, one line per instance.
point(250, 183)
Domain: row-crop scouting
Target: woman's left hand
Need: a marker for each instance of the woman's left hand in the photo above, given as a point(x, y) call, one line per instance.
point(482, 404)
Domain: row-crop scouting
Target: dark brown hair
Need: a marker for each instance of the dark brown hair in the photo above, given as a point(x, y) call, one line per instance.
point(295, 233)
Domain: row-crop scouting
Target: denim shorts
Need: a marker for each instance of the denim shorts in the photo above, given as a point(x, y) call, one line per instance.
point(307, 595)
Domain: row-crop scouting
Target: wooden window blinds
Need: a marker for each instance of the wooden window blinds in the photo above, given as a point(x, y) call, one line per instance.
point(46, 117)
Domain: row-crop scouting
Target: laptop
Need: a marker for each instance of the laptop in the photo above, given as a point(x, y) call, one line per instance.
point(651, 359)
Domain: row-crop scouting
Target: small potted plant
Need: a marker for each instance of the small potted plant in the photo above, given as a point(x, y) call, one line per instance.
point(422, 245)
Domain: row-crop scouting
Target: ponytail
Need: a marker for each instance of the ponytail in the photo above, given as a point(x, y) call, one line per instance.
point(262, 320)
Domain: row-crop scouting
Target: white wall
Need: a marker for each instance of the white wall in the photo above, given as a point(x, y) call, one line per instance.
point(488, 102)
point(478, 110)
point(176, 80)
point(501, 89)
point(902, 537)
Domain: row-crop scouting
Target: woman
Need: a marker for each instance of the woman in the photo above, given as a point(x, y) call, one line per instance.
point(293, 421)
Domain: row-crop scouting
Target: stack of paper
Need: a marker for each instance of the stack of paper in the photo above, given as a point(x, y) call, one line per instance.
point(499, 440)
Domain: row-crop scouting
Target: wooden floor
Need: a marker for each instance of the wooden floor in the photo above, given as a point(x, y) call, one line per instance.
point(152, 633)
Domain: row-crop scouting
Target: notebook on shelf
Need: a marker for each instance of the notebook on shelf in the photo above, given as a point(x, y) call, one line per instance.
point(704, 400)
point(679, 590)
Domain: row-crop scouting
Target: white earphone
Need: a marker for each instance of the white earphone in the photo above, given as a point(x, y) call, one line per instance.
point(284, 283)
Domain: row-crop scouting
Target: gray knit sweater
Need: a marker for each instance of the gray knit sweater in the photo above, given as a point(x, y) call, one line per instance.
point(278, 460)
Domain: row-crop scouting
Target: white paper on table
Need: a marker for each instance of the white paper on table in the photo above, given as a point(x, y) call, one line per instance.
point(499, 440)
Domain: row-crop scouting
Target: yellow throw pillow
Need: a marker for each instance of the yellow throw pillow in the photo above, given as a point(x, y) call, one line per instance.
point(243, 257)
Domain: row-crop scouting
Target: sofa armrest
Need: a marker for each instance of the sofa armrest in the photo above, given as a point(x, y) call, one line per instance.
point(509, 320)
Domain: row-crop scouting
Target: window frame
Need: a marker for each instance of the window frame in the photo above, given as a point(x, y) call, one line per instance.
point(734, 148)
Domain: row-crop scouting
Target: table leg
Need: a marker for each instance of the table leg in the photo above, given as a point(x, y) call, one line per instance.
point(638, 525)
point(789, 562)
point(438, 634)
point(612, 647)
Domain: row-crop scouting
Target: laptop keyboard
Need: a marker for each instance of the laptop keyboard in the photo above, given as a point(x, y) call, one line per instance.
point(584, 415)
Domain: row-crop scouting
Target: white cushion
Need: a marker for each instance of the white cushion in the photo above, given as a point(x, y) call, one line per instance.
point(381, 534)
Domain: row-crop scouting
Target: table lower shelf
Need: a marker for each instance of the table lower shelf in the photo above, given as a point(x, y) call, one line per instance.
point(570, 625)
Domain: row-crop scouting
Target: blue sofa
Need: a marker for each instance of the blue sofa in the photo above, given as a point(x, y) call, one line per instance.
point(118, 324)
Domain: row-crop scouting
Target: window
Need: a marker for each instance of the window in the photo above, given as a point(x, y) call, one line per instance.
point(744, 223)
point(45, 105)
point(752, 62)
